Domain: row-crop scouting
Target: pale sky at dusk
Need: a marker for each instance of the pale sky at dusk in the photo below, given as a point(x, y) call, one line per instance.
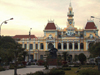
point(36, 13)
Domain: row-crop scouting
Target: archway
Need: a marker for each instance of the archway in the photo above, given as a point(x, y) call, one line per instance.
point(50, 46)
point(70, 45)
point(41, 46)
point(76, 45)
point(81, 46)
point(59, 45)
point(90, 45)
point(64, 46)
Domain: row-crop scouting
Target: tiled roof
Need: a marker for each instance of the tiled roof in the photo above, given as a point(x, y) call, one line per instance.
point(90, 25)
point(50, 26)
point(24, 36)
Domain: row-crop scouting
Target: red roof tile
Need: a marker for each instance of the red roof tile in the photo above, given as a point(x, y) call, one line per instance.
point(50, 26)
point(24, 36)
point(90, 25)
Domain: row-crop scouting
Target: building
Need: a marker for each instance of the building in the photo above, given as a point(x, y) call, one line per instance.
point(70, 39)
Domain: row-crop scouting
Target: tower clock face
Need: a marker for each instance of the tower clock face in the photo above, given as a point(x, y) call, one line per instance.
point(70, 22)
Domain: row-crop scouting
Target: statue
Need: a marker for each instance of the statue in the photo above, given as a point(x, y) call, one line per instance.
point(53, 53)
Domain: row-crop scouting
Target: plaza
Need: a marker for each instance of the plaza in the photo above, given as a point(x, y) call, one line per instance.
point(23, 71)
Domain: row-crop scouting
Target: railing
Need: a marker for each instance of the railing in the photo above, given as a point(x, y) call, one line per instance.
point(72, 13)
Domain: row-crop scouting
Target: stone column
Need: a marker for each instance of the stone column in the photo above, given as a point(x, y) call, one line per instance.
point(34, 45)
point(62, 45)
point(62, 33)
point(67, 46)
point(46, 45)
point(73, 46)
point(38, 45)
point(34, 55)
point(79, 46)
point(22, 44)
point(86, 45)
point(54, 44)
point(37, 56)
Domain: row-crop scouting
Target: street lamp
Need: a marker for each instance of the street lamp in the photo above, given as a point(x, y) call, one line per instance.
point(5, 22)
point(95, 17)
point(29, 44)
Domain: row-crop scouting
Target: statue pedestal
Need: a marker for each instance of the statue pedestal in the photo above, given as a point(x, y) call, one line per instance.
point(52, 61)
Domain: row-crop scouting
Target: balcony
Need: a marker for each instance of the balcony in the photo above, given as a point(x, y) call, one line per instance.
point(70, 14)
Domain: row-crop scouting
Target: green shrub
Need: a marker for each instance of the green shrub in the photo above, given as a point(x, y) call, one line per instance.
point(36, 73)
point(88, 72)
point(76, 66)
point(1, 68)
point(65, 65)
point(30, 74)
point(41, 62)
point(32, 63)
point(12, 66)
point(56, 72)
point(39, 73)
point(66, 68)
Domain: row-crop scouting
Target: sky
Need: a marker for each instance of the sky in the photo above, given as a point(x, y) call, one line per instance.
point(36, 13)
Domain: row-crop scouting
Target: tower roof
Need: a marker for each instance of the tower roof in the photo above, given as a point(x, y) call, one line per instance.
point(50, 25)
point(90, 25)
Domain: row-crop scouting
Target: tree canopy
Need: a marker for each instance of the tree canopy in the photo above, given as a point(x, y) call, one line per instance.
point(94, 49)
point(82, 58)
point(9, 48)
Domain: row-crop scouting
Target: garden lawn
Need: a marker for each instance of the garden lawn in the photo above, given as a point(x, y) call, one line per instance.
point(74, 69)
point(71, 72)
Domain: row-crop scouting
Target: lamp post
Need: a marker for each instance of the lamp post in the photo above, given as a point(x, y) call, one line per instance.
point(5, 22)
point(29, 43)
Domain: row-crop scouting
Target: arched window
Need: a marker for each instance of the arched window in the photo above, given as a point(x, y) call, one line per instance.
point(50, 46)
point(81, 46)
point(41, 46)
point(25, 46)
point(36, 46)
point(41, 56)
point(64, 46)
point(90, 45)
point(59, 45)
point(76, 45)
point(70, 45)
point(31, 46)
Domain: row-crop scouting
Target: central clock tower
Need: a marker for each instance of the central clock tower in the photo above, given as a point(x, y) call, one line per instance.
point(70, 30)
point(70, 15)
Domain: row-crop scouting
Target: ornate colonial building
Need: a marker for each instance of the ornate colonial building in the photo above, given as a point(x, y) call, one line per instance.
point(70, 39)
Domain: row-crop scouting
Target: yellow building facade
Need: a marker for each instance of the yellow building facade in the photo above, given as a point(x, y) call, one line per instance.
point(70, 39)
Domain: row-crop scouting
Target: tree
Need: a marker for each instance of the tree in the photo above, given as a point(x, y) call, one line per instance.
point(94, 49)
point(10, 50)
point(17, 52)
point(59, 59)
point(82, 58)
point(76, 58)
point(7, 45)
point(65, 55)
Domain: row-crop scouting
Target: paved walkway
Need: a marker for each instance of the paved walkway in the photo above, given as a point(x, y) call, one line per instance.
point(23, 71)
